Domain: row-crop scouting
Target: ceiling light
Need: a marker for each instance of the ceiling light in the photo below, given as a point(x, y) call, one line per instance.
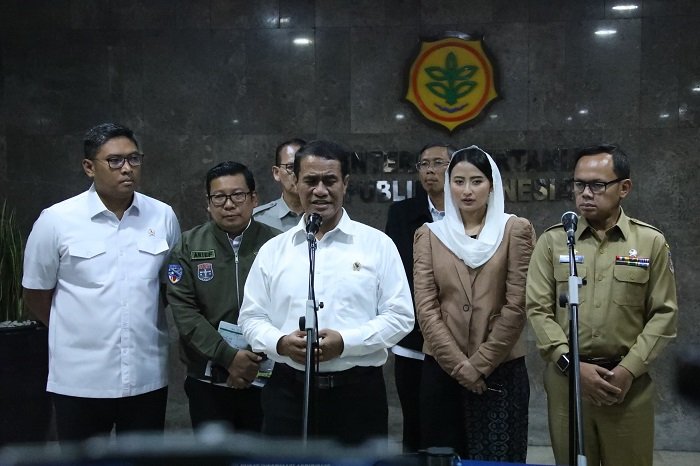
point(302, 41)
point(625, 7)
point(696, 88)
point(605, 32)
point(399, 116)
point(583, 111)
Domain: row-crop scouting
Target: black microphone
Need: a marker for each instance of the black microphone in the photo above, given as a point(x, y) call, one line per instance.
point(313, 224)
point(570, 222)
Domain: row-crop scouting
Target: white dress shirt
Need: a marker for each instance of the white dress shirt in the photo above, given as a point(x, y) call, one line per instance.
point(107, 338)
point(359, 279)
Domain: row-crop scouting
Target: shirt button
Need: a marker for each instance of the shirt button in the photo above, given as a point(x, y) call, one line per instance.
point(602, 251)
point(597, 304)
point(466, 307)
point(600, 278)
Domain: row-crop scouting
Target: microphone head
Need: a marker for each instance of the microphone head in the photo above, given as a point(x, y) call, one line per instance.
point(570, 221)
point(313, 223)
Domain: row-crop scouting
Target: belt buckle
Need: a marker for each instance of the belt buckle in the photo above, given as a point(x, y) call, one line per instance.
point(324, 382)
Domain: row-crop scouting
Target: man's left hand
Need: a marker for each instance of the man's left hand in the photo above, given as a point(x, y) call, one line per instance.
point(622, 379)
point(331, 344)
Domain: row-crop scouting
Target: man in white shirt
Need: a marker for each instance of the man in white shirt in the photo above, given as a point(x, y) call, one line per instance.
point(91, 275)
point(366, 309)
point(283, 213)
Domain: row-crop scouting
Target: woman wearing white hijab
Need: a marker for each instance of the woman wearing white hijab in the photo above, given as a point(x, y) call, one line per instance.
point(469, 275)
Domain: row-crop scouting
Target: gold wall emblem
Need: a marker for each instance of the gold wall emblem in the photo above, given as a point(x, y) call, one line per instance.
point(451, 80)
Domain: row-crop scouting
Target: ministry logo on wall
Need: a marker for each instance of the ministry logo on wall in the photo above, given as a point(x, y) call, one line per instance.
point(451, 80)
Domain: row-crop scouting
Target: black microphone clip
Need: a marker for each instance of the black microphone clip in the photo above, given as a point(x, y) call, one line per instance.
point(570, 222)
point(313, 224)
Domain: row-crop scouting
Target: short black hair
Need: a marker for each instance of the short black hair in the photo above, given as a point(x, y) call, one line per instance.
point(292, 142)
point(98, 135)
point(474, 156)
point(621, 164)
point(230, 168)
point(326, 150)
point(450, 149)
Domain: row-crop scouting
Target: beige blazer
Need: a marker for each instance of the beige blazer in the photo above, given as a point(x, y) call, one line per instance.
point(474, 314)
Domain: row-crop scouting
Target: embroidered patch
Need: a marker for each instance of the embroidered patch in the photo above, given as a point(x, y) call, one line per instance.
point(356, 266)
point(200, 255)
point(174, 273)
point(205, 271)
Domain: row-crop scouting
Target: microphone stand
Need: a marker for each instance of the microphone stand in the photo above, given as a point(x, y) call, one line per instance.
point(576, 452)
point(310, 324)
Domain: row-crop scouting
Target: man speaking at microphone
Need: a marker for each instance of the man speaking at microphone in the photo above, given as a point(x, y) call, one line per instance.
point(365, 308)
point(627, 314)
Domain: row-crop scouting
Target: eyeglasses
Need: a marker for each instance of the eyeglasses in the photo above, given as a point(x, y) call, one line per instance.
point(117, 161)
point(436, 164)
point(287, 166)
point(596, 187)
point(219, 200)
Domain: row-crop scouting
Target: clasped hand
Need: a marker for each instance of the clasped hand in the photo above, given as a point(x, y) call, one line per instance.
point(243, 369)
point(294, 345)
point(604, 387)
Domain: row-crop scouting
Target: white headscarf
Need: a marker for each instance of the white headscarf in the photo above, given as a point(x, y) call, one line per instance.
point(450, 230)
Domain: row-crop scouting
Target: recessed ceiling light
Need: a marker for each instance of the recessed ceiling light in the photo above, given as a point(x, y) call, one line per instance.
point(625, 7)
point(664, 115)
point(583, 111)
point(696, 88)
point(605, 32)
point(302, 41)
point(399, 116)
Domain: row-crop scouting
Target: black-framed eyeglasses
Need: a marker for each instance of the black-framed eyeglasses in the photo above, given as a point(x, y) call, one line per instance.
point(117, 161)
point(596, 187)
point(219, 200)
point(436, 164)
point(287, 166)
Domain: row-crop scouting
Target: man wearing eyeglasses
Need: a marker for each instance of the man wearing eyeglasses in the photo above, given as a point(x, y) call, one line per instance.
point(627, 315)
point(403, 220)
point(91, 275)
point(284, 212)
point(206, 274)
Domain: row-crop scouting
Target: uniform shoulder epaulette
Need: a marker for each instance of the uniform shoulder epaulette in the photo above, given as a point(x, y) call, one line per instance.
point(556, 225)
point(264, 207)
point(644, 224)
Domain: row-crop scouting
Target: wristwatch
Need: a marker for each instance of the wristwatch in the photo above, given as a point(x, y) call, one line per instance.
point(563, 363)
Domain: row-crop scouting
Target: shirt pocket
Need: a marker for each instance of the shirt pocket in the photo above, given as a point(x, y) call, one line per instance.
point(629, 285)
point(88, 264)
point(151, 255)
point(561, 275)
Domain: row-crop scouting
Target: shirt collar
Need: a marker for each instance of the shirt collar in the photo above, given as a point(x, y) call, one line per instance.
point(96, 206)
point(622, 226)
point(284, 209)
point(344, 227)
point(434, 212)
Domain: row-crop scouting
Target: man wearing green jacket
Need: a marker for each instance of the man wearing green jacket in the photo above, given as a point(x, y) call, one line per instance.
point(206, 274)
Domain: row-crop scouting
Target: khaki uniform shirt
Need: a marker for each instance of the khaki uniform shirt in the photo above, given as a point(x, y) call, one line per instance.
point(277, 215)
point(626, 309)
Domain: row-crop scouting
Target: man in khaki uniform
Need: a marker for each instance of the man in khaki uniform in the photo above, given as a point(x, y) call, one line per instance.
point(627, 315)
point(285, 212)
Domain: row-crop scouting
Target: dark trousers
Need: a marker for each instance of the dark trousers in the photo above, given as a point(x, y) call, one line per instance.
point(491, 426)
point(239, 409)
point(80, 418)
point(407, 375)
point(352, 412)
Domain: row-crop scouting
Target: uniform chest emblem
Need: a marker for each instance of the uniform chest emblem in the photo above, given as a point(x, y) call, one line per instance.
point(205, 271)
point(174, 273)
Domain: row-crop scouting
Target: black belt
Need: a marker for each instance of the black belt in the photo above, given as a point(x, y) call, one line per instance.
point(328, 380)
point(607, 363)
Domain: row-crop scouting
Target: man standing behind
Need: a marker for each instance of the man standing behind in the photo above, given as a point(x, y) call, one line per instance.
point(627, 315)
point(91, 274)
point(206, 273)
point(366, 309)
point(283, 213)
point(402, 221)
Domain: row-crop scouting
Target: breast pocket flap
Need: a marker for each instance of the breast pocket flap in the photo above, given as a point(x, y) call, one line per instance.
point(153, 246)
point(87, 250)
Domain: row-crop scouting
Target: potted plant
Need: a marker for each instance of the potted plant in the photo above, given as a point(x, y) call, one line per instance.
point(25, 407)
